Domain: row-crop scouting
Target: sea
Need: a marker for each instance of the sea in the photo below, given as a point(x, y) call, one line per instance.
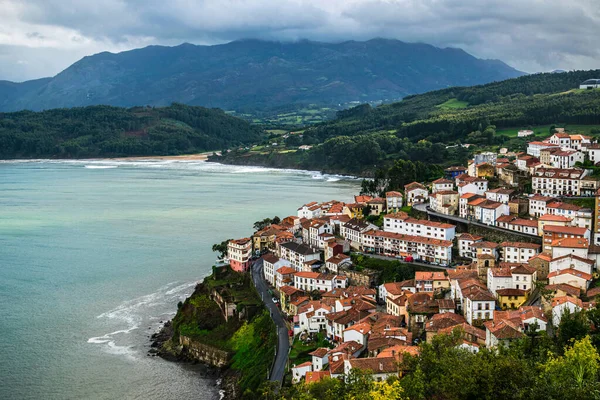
point(95, 255)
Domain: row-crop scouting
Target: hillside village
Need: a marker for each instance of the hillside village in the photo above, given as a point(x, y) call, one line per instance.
point(493, 292)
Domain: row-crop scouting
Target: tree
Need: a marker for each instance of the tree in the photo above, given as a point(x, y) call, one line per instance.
point(386, 390)
point(221, 248)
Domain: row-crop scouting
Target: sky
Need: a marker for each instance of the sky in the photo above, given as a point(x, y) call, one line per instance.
point(40, 38)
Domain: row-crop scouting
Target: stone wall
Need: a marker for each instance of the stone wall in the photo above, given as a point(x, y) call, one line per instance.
point(205, 353)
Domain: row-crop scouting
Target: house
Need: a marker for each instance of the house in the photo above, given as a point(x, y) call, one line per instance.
point(511, 276)
point(380, 368)
point(553, 233)
point(453, 172)
point(480, 185)
point(311, 317)
point(441, 185)
point(478, 304)
point(580, 142)
point(400, 222)
point(512, 223)
point(395, 289)
point(426, 281)
point(550, 219)
point(336, 263)
point(310, 210)
point(420, 248)
point(557, 181)
point(465, 242)
point(298, 254)
point(511, 298)
point(566, 158)
point(590, 84)
point(526, 162)
point(441, 321)
point(396, 305)
point(313, 231)
point(272, 263)
point(519, 252)
point(444, 202)
point(560, 305)
point(534, 148)
point(353, 230)
point(500, 195)
point(571, 261)
point(571, 277)
point(315, 376)
point(354, 210)
point(393, 201)
point(488, 211)
point(314, 281)
point(239, 253)
point(320, 358)
point(415, 193)
point(376, 206)
point(420, 307)
point(300, 371)
point(524, 133)
point(284, 276)
point(538, 204)
point(501, 333)
point(358, 332)
point(466, 204)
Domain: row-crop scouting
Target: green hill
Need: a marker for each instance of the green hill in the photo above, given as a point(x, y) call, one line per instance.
point(427, 128)
point(103, 131)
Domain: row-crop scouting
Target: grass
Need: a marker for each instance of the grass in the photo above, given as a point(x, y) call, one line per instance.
point(299, 351)
point(453, 104)
point(543, 131)
point(277, 131)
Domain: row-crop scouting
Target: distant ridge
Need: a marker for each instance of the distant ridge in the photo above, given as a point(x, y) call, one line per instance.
point(255, 75)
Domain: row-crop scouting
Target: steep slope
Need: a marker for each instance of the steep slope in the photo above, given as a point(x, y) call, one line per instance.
point(257, 75)
point(104, 131)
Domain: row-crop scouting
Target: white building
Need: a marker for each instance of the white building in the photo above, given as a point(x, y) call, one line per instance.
point(524, 133)
point(557, 182)
point(393, 201)
point(561, 304)
point(353, 230)
point(566, 159)
point(478, 304)
point(415, 193)
point(590, 84)
point(519, 252)
point(420, 248)
point(310, 210)
point(401, 223)
point(442, 184)
point(534, 148)
point(465, 243)
point(272, 263)
point(298, 254)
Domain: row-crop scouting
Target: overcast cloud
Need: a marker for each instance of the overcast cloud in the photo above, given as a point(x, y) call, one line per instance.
point(39, 38)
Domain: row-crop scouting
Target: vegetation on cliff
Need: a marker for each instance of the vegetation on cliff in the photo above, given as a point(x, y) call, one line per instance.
point(249, 336)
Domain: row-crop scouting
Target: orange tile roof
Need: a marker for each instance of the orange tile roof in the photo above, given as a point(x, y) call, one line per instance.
point(576, 243)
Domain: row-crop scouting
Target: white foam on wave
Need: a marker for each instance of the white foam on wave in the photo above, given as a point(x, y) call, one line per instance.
point(140, 311)
point(201, 166)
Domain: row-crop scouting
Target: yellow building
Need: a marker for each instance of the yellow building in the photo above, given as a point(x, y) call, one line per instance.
point(354, 210)
point(485, 170)
point(511, 298)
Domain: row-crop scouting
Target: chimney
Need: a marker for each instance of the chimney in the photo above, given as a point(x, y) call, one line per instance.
point(381, 366)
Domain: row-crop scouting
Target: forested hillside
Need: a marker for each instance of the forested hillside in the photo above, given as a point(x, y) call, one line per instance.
point(103, 131)
point(427, 130)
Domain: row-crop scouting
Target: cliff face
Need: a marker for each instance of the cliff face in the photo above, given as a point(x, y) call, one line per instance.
point(241, 345)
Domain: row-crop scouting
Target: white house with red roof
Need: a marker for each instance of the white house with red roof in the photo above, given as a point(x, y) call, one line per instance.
point(239, 253)
point(571, 277)
point(572, 261)
point(519, 252)
point(431, 281)
point(401, 223)
point(393, 201)
point(534, 148)
point(465, 243)
point(560, 305)
point(415, 193)
point(310, 210)
point(442, 184)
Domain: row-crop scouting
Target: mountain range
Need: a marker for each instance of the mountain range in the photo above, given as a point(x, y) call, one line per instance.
point(251, 75)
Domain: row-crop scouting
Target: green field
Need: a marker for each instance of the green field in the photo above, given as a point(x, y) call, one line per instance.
point(543, 131)
point(453, 104)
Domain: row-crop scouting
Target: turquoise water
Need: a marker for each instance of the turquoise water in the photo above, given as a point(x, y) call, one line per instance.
point(95, 254)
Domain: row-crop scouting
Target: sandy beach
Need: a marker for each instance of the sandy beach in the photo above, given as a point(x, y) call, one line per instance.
point(187, 157)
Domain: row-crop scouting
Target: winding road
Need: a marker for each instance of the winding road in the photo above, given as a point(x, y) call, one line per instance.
point(283, 343)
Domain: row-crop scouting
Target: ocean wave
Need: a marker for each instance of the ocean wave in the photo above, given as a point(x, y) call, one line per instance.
point(191, 165)
point(141, 311)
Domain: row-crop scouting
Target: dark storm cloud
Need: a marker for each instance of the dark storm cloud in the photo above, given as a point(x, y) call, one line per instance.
point(531, 35)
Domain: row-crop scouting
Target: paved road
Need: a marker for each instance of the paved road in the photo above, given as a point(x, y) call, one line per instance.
point(283, 345)
point(423, 207)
